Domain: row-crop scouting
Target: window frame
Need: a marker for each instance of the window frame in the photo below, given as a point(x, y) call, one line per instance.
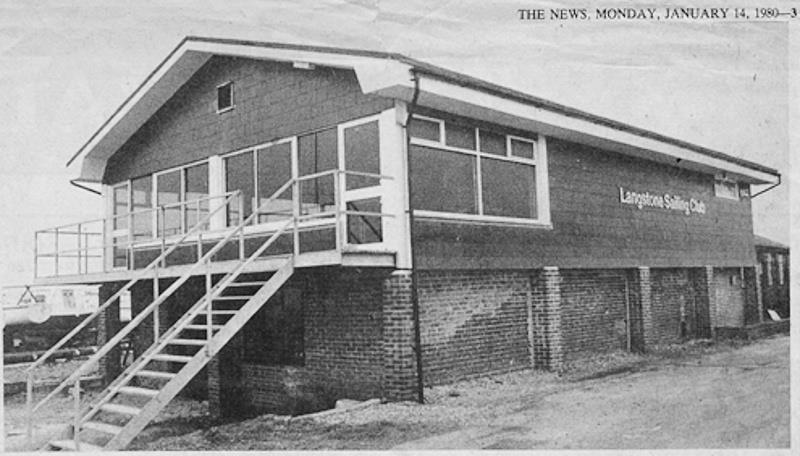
point(719, 181)
point(233, 101)
point(182, 195)
point(291, 140)
point(539, 162)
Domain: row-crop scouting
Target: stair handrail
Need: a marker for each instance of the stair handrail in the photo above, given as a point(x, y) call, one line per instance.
point(191, 313)
point(108, 346)
point(138, 275)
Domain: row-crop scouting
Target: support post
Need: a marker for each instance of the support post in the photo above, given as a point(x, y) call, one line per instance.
point(76, 423)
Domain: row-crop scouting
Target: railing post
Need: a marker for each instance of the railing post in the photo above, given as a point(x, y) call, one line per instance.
point(208, 308)
point(241, 227)
point(295, 216)
point(336, 203)
point(130, 241)
point(56, 251)
point(79, 248)
point(156, 328)
point(29, 407)
point(163, 235)
point(76, 426)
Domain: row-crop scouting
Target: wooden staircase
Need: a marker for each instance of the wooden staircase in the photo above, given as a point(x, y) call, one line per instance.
point(126, 406)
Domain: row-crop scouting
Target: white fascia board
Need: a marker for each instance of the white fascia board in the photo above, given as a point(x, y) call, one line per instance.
point(457, 99)
point(147, 99)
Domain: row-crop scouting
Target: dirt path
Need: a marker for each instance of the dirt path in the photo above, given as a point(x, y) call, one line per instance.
point(732, 399)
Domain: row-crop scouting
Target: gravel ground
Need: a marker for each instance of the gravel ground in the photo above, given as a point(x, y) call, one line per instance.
point(185, 424)
point(477, 402)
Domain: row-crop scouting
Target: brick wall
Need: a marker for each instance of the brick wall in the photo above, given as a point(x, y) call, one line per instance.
point(673, 305)
point(344, 347)
point(272, 100)
point(729, 297)
point(593, 311)
point(472, 323)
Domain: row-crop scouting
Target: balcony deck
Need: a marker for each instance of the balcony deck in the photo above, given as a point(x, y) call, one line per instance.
point(346, 258)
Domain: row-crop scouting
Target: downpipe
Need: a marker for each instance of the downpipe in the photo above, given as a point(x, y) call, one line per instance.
point(414, 294)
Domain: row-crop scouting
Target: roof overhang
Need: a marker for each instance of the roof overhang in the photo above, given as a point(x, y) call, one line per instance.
point(391, 75)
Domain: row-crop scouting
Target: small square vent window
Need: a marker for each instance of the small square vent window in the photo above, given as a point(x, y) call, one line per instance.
point(225, 97)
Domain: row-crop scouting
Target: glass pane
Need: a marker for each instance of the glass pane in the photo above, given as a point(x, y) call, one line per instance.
point(362, 153)
point(120, 207)
point(459, 136)
point(274, 170)
point(493, 143)
point(522, 149)
point(509, 189)
point(141, 201)
point(196, 185)
point(424, 129)
point(364, 229)
point(443, 181)
point(317, 152)
point(225, 96)
point(239, 176)
point(168, 193)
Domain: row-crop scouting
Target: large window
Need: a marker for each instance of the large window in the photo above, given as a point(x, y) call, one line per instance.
point(258, 174)
point(240, 175)
point(168, 195)
point(317, 152)
point(274, 169)
point(141, 206)
point(461, 171)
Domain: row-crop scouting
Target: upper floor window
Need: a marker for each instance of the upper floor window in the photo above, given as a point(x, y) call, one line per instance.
point(464, 172)
point(225, 97)
point(725, 188)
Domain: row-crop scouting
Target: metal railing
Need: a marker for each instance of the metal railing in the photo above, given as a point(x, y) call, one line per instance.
point(123, 241)
point(301, 218)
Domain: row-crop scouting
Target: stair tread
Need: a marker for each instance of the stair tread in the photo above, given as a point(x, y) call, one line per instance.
point(187, 342)
point(121, 409)
point(69, 445)
point(155, 374)
point(232, 298)
point(217, 312)
point(135, 390)
point(102, 427)
point(246, 284)
point(202, 327)
point(168, 357)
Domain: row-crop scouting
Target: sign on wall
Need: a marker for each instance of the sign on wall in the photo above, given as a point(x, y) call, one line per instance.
point(666, 201)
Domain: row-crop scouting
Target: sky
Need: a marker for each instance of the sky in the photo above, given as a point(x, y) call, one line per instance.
point(66, 66)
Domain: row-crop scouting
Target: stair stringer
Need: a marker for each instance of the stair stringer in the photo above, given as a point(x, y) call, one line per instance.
point(199, 360)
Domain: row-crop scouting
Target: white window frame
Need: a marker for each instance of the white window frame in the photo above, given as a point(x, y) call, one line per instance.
point(216, 94)
point(539, 162)
point(182, 170)
point(719, 181)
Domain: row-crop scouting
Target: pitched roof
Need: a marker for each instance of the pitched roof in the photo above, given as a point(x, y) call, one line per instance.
point(194, 46)
point(761, 241)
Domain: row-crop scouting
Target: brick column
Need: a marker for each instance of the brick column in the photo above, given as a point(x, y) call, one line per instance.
point(399, 361)
point(753, 310)
point(644, 291)
point(224, 372)
point(548, 343)
point(108, 324)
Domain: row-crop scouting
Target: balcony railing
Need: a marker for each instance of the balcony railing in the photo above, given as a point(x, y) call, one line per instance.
point(130, 241)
